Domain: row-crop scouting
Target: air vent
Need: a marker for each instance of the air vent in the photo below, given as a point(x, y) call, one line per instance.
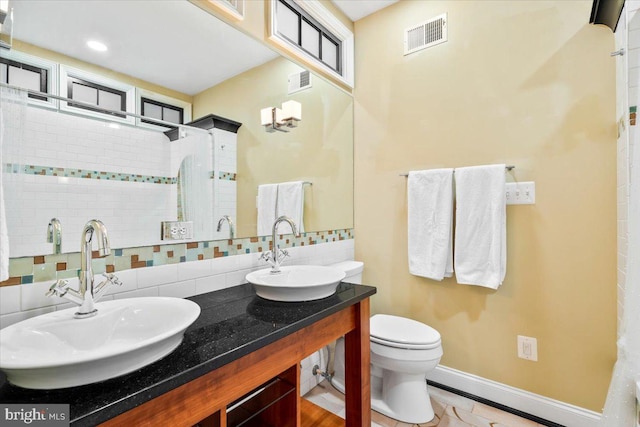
point(426, 34)
point(299, 81)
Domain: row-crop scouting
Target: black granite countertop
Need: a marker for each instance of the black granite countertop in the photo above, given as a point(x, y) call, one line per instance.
point(233, 322)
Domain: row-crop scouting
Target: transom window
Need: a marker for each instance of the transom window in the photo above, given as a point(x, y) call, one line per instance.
point(25, 76)
point(298, 27)
point(161, 111)
point(102, 97)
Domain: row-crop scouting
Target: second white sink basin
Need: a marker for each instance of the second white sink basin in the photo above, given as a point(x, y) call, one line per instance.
point(296, 283)
point(56, 350)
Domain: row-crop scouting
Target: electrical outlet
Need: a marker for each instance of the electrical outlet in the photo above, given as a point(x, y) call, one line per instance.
point(521, 193)
point(176, 230)
point(528, 348)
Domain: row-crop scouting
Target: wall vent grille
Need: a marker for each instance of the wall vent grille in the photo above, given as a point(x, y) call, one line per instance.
point(426, 34)
point(299, 81)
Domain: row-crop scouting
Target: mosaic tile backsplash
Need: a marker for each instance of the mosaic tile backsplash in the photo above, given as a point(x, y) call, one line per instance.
point(27, 270)
point(110, 176)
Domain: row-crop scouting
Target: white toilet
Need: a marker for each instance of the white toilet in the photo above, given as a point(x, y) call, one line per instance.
point(402, 352)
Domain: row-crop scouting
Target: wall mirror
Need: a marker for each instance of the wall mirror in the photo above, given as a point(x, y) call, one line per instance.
point(82, 167)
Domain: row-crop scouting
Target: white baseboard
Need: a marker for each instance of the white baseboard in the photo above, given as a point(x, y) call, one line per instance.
point(534, 404)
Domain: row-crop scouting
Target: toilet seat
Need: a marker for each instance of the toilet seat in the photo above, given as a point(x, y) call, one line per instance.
point(400, 332)
point(406, 346)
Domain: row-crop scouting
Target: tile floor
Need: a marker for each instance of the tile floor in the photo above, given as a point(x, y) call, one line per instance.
point(451, 410)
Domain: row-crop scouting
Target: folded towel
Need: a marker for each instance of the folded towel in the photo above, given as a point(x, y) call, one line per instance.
point(267, 199)
point(481, 226)
point(291, 204)
point(430, 207)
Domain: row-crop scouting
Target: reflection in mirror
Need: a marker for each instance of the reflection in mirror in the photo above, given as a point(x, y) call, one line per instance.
point(195, 190)
point(79, 167)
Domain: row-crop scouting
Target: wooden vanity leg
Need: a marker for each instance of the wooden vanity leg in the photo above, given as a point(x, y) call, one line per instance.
point(357, 370)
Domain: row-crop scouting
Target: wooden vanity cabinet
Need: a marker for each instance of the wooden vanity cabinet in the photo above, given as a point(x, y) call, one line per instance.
point(204, 401)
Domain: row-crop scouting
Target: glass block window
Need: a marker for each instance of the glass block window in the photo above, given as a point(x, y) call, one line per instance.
point(299, 28)
point(25, 76)
point(161, 111)
point(103, 97)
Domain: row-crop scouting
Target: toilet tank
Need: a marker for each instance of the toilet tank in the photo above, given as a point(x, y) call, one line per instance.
point(352, 269)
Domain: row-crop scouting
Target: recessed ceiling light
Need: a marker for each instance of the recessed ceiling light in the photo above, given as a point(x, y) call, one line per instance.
point(96, 45)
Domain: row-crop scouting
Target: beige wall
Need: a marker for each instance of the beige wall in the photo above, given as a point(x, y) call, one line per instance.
point(320, 150)
point(528, 83)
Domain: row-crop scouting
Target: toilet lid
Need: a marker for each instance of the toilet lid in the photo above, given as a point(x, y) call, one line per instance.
point(402, 332)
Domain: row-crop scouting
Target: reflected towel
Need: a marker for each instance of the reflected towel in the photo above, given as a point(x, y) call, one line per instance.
point(430, 223)
point(291, 204)
point(267, 199)
point(481, 226)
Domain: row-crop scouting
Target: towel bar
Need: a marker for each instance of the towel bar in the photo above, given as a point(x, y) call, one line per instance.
point(508, 167)
point(307, 183)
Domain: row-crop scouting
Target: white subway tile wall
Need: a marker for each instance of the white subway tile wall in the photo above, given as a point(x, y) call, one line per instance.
point(629, 26)
point(226, 149)
point(132, 211)
point(65, 140)
point(154, 276)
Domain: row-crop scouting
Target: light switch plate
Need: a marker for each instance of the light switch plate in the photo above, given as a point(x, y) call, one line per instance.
point(521, 193)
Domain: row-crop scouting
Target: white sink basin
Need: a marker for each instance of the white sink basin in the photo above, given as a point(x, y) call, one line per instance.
point(56, 351)
point(296, 282)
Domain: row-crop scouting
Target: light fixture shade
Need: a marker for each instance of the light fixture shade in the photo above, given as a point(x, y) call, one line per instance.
point(292, 110)
point(279, 116)
point(266, 117)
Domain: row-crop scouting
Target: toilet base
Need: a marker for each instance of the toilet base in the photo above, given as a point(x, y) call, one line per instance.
point(338, 384)
point(412, 404)
point(404, 397)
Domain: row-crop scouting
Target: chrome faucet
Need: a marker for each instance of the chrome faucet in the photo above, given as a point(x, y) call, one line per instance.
point(276, 255)
point(87, 294)
point(230, 221)
point(54, 235)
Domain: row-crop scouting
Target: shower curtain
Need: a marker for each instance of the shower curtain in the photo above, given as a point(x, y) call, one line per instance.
point(13, 111)
point(619, 410)
point(195, 184)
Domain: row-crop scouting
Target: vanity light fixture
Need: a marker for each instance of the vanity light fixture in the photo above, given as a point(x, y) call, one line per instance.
point(96, 45)
point(276, 119)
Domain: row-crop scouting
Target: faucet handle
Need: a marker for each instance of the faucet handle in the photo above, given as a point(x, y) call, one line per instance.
point(284, 253)
point(265, 255)
point(57, 287)
point(112, 278)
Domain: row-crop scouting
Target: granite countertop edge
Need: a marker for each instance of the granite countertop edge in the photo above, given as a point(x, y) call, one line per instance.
point(113, 409)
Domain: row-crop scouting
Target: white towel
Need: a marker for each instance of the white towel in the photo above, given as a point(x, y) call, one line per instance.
point(291, 204)
point(481, 226)
point(267, 199)
point(430, 207)
point(4, 234)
